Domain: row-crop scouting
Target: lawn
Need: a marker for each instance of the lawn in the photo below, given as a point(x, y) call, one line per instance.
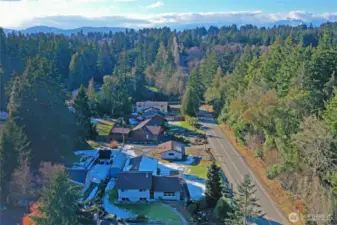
point(103, 127)
point(154, 211)
point(187, 126)
point(153, 89)
point(199, 170)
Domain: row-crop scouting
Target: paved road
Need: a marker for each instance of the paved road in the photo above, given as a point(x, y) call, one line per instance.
point(235, 168)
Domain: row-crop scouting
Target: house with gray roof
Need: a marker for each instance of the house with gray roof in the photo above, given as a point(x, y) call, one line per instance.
point(137, 186)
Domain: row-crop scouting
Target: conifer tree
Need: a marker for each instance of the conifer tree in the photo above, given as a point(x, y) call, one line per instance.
point(213, 186)
point(246, 204)
point(330, 114)
point(83, 115)
point(59, 202)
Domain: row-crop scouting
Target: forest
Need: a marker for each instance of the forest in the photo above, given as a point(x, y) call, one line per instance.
point(275, 87)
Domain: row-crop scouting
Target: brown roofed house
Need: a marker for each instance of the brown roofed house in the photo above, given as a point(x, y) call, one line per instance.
point(171, 150)
point(148, 130)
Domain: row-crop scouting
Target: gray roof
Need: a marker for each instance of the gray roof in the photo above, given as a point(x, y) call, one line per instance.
point(167, 184)
point(119, 160)
point(77, 175)
point(134, 180)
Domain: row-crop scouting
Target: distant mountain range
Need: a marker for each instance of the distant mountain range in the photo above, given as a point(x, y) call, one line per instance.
point(68, 32)
point(85, 30)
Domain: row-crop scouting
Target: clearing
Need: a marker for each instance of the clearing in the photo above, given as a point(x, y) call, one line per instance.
point(155, 211)
point(103, 127)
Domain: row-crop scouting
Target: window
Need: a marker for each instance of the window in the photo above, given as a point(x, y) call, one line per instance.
point(169, 194)
point(122, 190)
point(171, 153)
point(142, 190)
point(142, 199)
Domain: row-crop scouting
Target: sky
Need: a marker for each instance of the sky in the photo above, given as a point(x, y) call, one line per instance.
point(19, 14)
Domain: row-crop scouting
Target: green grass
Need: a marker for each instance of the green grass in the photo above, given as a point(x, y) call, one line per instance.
point(153, 89)
point(154, 211)
point(187, 126)
point(113, 195)
point(104, 127)
point(199, 170)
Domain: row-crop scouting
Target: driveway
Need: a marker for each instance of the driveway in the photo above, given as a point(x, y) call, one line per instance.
point(235, 168)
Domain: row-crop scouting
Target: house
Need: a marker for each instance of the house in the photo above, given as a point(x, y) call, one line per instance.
point(119, 133)
point(118, 163)
point(134, 186)
point(168, 188)
point(151, 112)
point(143, 186)
point(147, 130)
point(171, 150)
point(142, 164)
point(162, 106)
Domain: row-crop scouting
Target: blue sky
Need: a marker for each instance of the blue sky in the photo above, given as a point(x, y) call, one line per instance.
point(150, 13)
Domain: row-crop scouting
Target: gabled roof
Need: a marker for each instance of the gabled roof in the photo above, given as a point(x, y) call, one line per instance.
point(167, 184)
point(134, 180)
point(142, 163)
point(120, 130)
point(153, 125)
point(171, 146)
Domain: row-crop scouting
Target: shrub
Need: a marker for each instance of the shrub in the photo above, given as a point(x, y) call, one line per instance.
point(141, 217)
point(203, 203)
point(258, 153)
point(273, 171)
point(192, 208)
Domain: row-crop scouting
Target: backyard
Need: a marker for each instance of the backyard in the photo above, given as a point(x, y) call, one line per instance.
point(103, 127)
point(199, 170)
point(155, 211)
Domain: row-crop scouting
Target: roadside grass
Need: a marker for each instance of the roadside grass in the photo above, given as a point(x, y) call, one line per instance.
point(281, 197)
point(103, 127)
point(187, 126)
point(199, 170)
point(153, 89)
point(154, 211)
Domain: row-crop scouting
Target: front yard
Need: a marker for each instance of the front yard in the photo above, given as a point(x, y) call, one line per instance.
point(155, 211)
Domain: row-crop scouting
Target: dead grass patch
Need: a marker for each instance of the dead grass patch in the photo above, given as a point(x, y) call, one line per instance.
point(281, 197)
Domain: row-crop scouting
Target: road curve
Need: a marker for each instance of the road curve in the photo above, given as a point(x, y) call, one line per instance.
point(234, 166)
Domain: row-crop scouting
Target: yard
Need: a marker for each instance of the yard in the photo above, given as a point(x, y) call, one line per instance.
point(199, 170)
point(155, 211)
point(103, 127)
point(183, 127)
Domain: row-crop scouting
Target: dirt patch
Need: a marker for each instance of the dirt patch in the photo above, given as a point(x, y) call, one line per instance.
point(283, 198)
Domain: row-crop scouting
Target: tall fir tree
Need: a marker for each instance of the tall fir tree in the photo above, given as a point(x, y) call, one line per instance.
point(246, 205)
point(83, 115)
point(59, 202)
point(213, 186)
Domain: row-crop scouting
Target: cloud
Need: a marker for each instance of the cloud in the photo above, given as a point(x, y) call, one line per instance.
point(76, 13)
point(69, 22)
point(155, 5)
point(125, 0)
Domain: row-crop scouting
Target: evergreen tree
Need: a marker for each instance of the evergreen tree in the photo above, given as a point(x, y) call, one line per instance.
point(213, 186)
point(59, 202)
point(92, 96)
point(83, 116)
point(330, 114)
point(76, 71)
point(246, 206)
point(13, 143)
point(37, 104)
point(190, 103)
point(104, 62)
